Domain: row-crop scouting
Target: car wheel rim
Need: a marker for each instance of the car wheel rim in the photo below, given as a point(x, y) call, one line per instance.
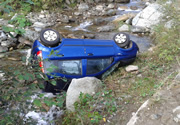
point(120, 38)
point(50, 35)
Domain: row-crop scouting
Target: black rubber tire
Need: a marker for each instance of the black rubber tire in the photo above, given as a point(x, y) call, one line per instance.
point(124, 44)
point(50, 43)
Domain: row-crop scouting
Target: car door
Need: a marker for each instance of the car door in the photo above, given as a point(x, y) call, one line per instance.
point(98, 48)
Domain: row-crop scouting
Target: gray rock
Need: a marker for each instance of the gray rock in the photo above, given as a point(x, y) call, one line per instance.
point(85, 85)
point(2, 36)
point(124, 28)
point(110, 12)
point(122, 1)
point(106, 28)
point(3, 49)
point(149, 16)
point(136, 29)
point(63, 19)
point(83, 7)
point(31, 35)
point(9, 43)
point(178, 77)
point(24, 41)
point(100, 8)
point(39, 24)
point(2, 56)
point(131, 68)
point(129, 21)
point(169, 24)
point(111, 6)
point(2, 76)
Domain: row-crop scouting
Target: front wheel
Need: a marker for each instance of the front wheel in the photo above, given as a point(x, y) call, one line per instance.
point(122, 39)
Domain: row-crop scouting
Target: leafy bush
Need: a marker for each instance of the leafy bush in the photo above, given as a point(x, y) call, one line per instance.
point(92, 109)
point(20, 22)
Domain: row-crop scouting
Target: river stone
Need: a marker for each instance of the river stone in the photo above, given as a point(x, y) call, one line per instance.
point(110, 6)
point(63, 18)
point(110, 12)
point(3, 49)
point(106, 28)
point(122, 1)
point(31, 35)
point(124, 28)
point(149, 16)
point(131, 68)
point(178, 76)
point(83, 7)
point(85, 85)
point(136, 29)
point(99, 8)
point(2, 36)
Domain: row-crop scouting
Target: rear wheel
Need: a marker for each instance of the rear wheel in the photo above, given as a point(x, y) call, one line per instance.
point(50, 37)
point(122, 39)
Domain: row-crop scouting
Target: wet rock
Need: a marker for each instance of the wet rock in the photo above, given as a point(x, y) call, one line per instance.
point(149, 16)
point(3, 49)
point(2, 36)
point(88, 85)
point(131, 68)
point(110, 12)
point(31, 35)
point(122, 1)
point(124, 17)
point(124, 28)
point(106, 28)
point(83, 7)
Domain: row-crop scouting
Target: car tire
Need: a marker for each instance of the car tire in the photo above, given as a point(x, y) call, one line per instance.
point(122, 39)
point(50, 37)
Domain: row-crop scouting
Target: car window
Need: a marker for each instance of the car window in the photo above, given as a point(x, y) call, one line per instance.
point(67, 67)
point(97, 65)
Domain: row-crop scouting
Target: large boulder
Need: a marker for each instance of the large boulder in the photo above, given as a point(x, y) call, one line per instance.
point(88, 85)
point(148, 17)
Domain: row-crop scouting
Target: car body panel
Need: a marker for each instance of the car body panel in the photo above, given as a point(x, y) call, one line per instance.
point(84, 50)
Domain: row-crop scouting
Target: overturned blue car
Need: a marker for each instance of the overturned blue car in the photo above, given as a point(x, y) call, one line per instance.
point(76, 58)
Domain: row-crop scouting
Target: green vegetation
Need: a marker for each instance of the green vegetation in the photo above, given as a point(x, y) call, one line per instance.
point(19, 23)
point(92, 109)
